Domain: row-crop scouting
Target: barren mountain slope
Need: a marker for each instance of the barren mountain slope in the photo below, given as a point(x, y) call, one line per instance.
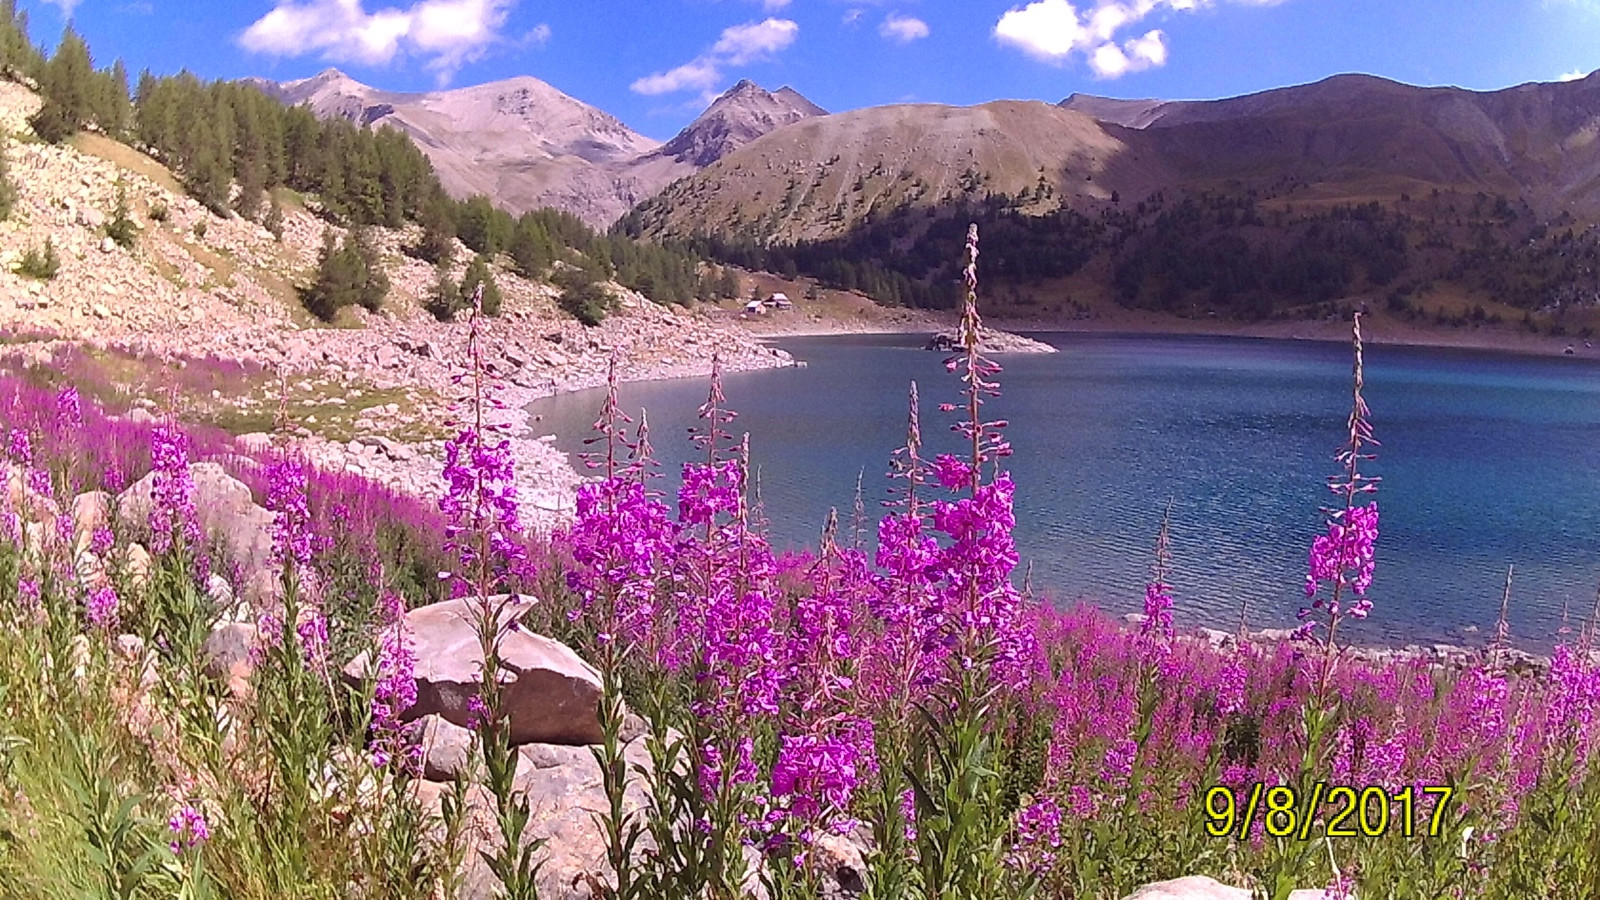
point(528, 145)
point(1536, 141)
point(818, 177)
point(520, 140)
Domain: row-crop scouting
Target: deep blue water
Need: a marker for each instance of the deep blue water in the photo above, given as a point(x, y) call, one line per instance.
point(1486, 459)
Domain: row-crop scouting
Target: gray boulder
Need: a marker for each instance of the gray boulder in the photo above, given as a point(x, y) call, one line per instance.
point(550, 694)
point(225, 508)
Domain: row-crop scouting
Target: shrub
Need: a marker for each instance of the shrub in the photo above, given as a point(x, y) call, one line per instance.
point(445, 300)
point(273, 221)
point(8, 191)
point(159, 212)
point(349, 273)
point(200, 230)
point(121, 228)
point(42, 265)
point(584, 297)
point(478, 272)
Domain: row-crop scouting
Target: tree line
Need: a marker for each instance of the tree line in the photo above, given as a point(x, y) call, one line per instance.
point(233, 145)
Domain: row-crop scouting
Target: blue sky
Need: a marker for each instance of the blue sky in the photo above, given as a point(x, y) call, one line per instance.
point(655, 63)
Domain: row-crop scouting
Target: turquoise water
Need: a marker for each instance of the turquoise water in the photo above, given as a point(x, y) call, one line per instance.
point(1486, 459)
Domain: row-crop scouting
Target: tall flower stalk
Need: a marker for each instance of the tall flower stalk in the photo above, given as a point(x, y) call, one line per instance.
point(1342, 558)
point(483, 532)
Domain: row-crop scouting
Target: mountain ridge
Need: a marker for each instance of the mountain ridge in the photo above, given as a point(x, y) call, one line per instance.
point(528, 145)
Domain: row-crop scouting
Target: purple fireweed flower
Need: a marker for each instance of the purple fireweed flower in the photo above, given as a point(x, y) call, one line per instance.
point(292, 536)
point(1343, 557)
point(189, 829)
point(1038, 836)
point(101, 608)
point(620, 538)
point(816, 775)
point(1157, 611)
point(908, 812)
point(172, 513)
point(396, 690)
point(1231, 680)
point(312, 630)
point(1342, 887)
point(709, 490)
point(69, 409)
point(101, 540)
point(477, 713)
point(28, 594)
point(481, 501)
point(952, 472)
point(19, 448)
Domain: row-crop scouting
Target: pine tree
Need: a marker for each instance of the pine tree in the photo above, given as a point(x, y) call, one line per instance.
point(530, 248)
point(334, 282)
point(478, 273)
point(478, 226)
point(372, 283)
point(67, 88)
point(445, 300)
point(8, 191)
point(438, 241)
point(121, 228)
point(19, 58)
point(274, 218)
point(111, 109)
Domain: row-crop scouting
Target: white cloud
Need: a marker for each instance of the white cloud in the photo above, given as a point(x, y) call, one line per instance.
point(903, 29)
point(66, 6)
point(773, 5)
point(1574, 75)
point(1056, 30)
point(537, 36)
point(852, 16)
point(447, 33)
point(743, 44)
point(739, 45)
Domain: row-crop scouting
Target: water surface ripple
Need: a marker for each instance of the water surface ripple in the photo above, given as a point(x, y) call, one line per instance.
point(1486, 460)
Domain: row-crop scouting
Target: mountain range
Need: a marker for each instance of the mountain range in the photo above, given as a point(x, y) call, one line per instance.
point(1353, 186)
point(528, 145)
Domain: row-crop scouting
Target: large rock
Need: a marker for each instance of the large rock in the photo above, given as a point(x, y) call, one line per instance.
point(564, 792)
point(90, 511)
point(447, 749)
point(1199, 887)
point(550, 694)
point(224, 507)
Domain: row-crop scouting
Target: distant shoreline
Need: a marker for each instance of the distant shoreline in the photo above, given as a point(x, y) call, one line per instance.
point(1377, 329)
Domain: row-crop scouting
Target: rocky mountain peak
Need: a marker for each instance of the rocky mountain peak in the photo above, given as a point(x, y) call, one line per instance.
point(743, 113)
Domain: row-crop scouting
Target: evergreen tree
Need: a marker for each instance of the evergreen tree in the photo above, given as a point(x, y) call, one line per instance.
point(334, 283)
point(478, 273)
point(41, 265)
point(445, 300)
point(583, 296)
point(274, 218)
point(121, 228)
point(207, 161)
point(531, 249)
point(8, 191)
point(111, 110)
point(19, 58)
point(438, 240)
point(68, 91)
point(372, 284)
point(479, 225)
point(349, 273)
